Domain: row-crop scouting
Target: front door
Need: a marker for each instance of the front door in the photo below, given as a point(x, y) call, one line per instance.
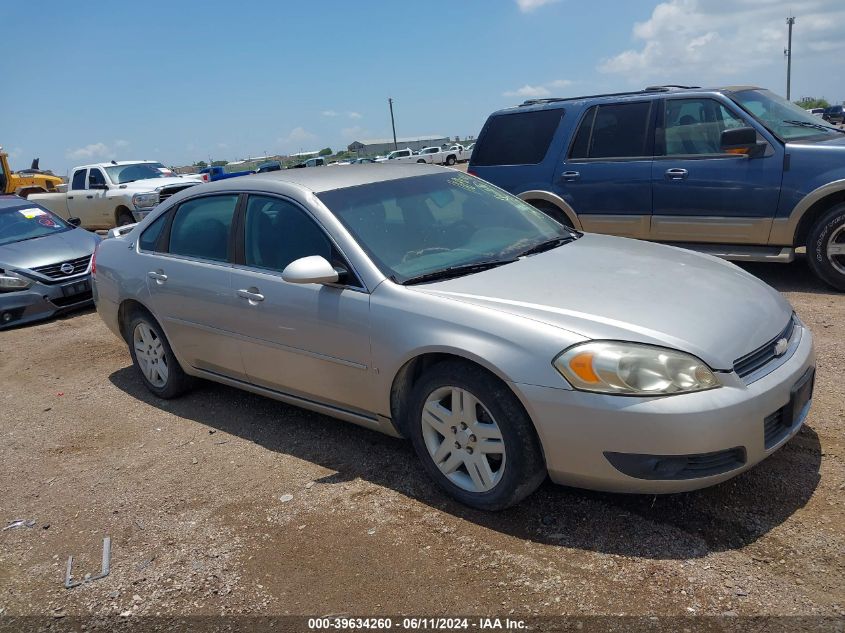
point(702, 194)
point(606, 175)
point(96, 200)
point(307, 340)
point(188, 277)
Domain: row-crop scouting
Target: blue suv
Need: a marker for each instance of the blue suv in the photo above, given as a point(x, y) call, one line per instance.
point(736, 172)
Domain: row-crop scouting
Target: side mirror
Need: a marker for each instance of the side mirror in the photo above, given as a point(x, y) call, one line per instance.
point(74, 221)
point(742, 140)
point(310, 270)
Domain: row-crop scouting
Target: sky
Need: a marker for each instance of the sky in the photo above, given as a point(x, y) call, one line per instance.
point(186, 81)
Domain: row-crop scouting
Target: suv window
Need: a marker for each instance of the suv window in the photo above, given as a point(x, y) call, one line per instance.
point(150, 236)
point(695, 126)
point(522, 138)
point(95, 177)
point(201, 227)
point(618, 130)
point(78, 181)
point(277, 232)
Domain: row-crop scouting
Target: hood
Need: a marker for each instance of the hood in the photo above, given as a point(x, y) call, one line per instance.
point(49, 249)
point(604, 287)
point(153, 184)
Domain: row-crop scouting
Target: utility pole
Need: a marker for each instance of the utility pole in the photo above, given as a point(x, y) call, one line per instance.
point(393, 123)
point(788, 52)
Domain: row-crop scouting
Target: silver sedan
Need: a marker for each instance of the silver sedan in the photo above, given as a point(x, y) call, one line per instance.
point(425, 303)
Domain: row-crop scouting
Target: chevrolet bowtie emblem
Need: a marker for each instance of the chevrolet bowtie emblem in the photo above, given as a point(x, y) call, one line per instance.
point(780, 347)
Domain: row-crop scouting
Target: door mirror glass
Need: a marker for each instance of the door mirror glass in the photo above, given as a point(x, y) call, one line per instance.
point(313, 269)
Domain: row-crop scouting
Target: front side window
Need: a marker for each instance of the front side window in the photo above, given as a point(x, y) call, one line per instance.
point(78, 181)
point(412, 227)
point(201, 227)
point(695, 126)
point(95, 179)
point(277, 232)
point(618, 130)
point(522, 138)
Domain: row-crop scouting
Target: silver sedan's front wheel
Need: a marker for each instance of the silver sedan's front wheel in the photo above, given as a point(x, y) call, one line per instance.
point(473, 436)
point(463, 439)
point(149, 350)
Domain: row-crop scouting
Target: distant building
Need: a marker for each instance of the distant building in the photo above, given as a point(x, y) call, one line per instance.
point(385, 145)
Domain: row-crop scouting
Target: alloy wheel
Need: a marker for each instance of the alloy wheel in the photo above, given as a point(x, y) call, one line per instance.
point(463, 439)
point(836, 249)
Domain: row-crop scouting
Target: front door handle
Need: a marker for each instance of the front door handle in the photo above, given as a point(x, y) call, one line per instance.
point(570, 175)
point(676, 173)
point(252, 295)
point(160, 278)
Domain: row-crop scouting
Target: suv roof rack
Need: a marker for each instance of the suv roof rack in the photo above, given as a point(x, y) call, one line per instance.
point(666, 88)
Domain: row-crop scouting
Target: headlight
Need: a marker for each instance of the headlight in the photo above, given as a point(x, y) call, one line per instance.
point(145, 200)
point(633, 369)
point(10, 281)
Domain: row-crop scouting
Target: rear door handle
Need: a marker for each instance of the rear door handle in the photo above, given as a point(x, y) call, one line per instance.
point(160, 278)
point(252, 295)
point(570, 175)
point(677, 173)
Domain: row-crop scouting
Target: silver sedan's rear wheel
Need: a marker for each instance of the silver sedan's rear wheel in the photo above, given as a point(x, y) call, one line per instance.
point(473, 436)
point(149, 350)
point(463, 439)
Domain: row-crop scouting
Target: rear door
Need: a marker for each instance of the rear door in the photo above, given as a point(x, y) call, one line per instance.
point(307, 340)
point(78, 205)
point(702, 194)
point(188, 277)
point(606, 173)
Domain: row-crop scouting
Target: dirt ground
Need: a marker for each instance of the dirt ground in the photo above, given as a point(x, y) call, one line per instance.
point(223, 502)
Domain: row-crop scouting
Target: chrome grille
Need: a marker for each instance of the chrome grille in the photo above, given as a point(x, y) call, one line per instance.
point(54, 271)
point(761, 356)
point(165, 192)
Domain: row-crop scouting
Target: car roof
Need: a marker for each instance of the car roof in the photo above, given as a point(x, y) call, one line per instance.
point(117, 163)
point(13, 201)
point(319, 180)
point(650, 91)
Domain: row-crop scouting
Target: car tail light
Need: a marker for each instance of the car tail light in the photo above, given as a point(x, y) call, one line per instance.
point(471, 173)
point(94, 260)
point(205, 177)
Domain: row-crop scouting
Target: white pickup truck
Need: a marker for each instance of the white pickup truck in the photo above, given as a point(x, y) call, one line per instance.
point(406, 155)
point(437, 156)
point(113, 194)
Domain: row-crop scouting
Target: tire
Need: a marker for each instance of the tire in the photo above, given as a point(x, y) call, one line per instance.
point(159, 369)
point(450, 160)
point(552, 211)
point(420, 161)
point(826, 247)
point(124, 218)
point(511, 466)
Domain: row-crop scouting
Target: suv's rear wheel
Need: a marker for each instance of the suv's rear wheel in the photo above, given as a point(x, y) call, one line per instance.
point(552, 211)
point(826, 247)
point(473, 437)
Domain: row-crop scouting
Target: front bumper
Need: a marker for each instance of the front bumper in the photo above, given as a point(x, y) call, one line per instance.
point(42, 300)
point(580, 430)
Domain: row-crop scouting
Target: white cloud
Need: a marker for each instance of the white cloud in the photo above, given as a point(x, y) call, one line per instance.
point(331, 113)
point(698, 41)
point(354, 115)
point(526, 6)
point(297, 136)
point(93, 150)
point(538, 92)
point(121, 143)
point(354, 133)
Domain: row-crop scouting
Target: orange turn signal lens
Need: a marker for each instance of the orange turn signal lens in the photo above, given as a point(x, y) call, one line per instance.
point(582, 366)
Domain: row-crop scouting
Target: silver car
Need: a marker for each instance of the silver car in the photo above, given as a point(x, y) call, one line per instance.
point(425, 303)
point(45, 263)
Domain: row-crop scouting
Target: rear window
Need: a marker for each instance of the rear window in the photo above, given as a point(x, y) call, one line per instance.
point(614, 131)
point(517, 139)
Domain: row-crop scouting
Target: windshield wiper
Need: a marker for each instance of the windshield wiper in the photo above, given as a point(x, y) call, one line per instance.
point(817, 126)
point(457, 271)
point(548, 245)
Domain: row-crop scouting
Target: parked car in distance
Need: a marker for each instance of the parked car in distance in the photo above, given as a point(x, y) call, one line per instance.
point(45, 262)
point(317, 161)
point(218, 172)
point(422, 302)
point(735, 172)
point(105, 195)
point(462, 154)
point(834, 114)
point(406, 155)
point(272, 165)
point(816, 111)
point(363, 161)
point(439, 156)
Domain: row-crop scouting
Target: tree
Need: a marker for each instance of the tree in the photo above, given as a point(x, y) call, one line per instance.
point(219, 163)
point(326, 151)
point(201, 164)
point(812, 102)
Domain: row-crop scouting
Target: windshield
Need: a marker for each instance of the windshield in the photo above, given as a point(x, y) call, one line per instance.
point(415, 226)
point(784, 119)
point(121, 174)
point(25, 222)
